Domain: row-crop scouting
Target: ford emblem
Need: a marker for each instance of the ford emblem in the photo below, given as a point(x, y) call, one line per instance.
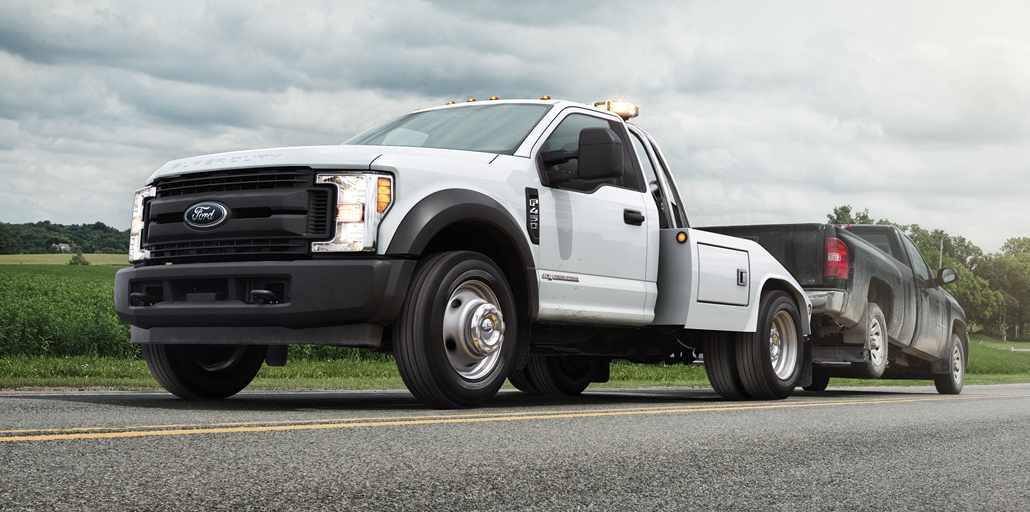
point(206, 215)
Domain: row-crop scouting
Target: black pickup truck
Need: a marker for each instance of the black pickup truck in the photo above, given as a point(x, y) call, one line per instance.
point(877, 308)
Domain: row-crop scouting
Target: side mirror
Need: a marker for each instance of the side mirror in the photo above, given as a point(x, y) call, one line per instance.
point(946, 275)
point(600, 154)
point(600, 157)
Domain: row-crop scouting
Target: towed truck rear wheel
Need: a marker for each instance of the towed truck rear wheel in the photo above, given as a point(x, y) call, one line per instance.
point(769, 359)
point(454, 339)
point(204, 372)
point(875, 343)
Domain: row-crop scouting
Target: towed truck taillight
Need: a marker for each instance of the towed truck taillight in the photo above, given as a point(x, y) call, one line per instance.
point(361, 201)
point(836, 258)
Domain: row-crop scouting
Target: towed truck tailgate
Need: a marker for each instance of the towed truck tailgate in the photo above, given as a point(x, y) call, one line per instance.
point(800, 248)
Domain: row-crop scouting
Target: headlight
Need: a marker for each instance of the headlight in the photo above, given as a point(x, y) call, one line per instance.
point(136, 252)
point(361, 201)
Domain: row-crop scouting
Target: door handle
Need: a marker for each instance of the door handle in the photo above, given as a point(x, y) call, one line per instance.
point(632, 217)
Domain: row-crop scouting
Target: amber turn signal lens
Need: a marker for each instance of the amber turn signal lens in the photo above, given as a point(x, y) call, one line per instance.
point(383, 195)
point(681, 237)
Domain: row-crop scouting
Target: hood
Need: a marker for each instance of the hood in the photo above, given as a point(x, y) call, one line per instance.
point(317, 157)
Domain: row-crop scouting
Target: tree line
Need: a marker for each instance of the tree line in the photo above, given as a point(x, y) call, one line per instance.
point(993, 289)
point(43, 237)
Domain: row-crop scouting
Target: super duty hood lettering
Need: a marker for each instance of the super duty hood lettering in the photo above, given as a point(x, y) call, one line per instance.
point(319, 157)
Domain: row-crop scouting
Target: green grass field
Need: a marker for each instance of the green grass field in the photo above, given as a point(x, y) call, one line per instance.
point(58, 330)
point(986, 366)
point(114, 260)
point(64, 272)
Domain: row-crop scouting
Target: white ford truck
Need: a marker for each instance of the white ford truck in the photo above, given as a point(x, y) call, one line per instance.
point(536, 240)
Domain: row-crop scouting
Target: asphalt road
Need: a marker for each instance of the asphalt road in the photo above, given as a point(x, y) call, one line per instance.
point(656, 449)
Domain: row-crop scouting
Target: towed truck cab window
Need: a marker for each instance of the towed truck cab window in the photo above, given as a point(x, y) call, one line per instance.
point(497, 128)
point(919, 265)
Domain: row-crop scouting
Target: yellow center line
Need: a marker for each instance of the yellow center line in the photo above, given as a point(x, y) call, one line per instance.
point(279, 426)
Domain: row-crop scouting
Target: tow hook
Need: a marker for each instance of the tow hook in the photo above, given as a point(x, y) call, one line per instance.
point(268, 297)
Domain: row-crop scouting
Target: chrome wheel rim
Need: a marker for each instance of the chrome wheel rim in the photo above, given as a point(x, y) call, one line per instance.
point(473, 330)
point(956, 364)
point(783, 345)
point(877, 347)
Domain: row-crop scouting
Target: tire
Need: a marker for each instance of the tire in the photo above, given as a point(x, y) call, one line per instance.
point(876, 343)
point(769, 359)
point(454, 339)
point(204, 372)
point(561, 375)
point(820, 380)
point(522, 380)
point(720, 356)
point(951, 383)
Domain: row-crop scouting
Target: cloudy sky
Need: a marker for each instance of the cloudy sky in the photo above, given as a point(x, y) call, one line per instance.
point(768, 111)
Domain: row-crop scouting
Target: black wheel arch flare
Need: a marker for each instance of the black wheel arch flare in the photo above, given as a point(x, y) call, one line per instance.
point(442, 209)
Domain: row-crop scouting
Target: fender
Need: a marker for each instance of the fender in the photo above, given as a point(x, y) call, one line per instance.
point(447, 207)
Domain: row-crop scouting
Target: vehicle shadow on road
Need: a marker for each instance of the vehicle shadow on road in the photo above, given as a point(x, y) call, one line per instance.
point(401, 400)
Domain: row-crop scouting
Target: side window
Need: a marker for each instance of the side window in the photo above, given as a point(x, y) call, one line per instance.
point(645, 162)
point(566, 136)
point(919, 265)
point(651, 177)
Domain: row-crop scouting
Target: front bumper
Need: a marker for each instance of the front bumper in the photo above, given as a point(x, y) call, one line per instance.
point(310, 295)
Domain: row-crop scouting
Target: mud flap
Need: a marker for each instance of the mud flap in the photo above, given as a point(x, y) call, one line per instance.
point(805, 378)
point(602, 372)
point(522, 348)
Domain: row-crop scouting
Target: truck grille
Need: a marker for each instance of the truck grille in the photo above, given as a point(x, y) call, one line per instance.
point(275, 214)
point(235, 180)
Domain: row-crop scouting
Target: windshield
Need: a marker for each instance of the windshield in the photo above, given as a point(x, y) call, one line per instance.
point(487, 128)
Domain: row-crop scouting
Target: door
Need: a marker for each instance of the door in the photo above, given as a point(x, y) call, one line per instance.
point(930, 324)
point(594, 239)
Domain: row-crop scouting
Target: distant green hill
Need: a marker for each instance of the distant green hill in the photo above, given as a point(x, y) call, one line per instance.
point(45, 237)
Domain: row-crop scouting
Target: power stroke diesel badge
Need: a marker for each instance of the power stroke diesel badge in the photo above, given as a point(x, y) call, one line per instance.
point(206, 215)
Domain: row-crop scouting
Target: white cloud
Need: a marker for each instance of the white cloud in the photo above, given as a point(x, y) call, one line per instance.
point(767, 111)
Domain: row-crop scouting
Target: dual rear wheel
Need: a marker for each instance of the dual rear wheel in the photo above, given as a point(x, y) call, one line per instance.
point(763, 365)
point(554, 375)
point(204, 372)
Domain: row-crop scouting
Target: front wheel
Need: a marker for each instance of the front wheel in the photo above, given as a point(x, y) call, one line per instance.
point(769, 360)
point(951, 383)
point(204, 372)
point(455, 335)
